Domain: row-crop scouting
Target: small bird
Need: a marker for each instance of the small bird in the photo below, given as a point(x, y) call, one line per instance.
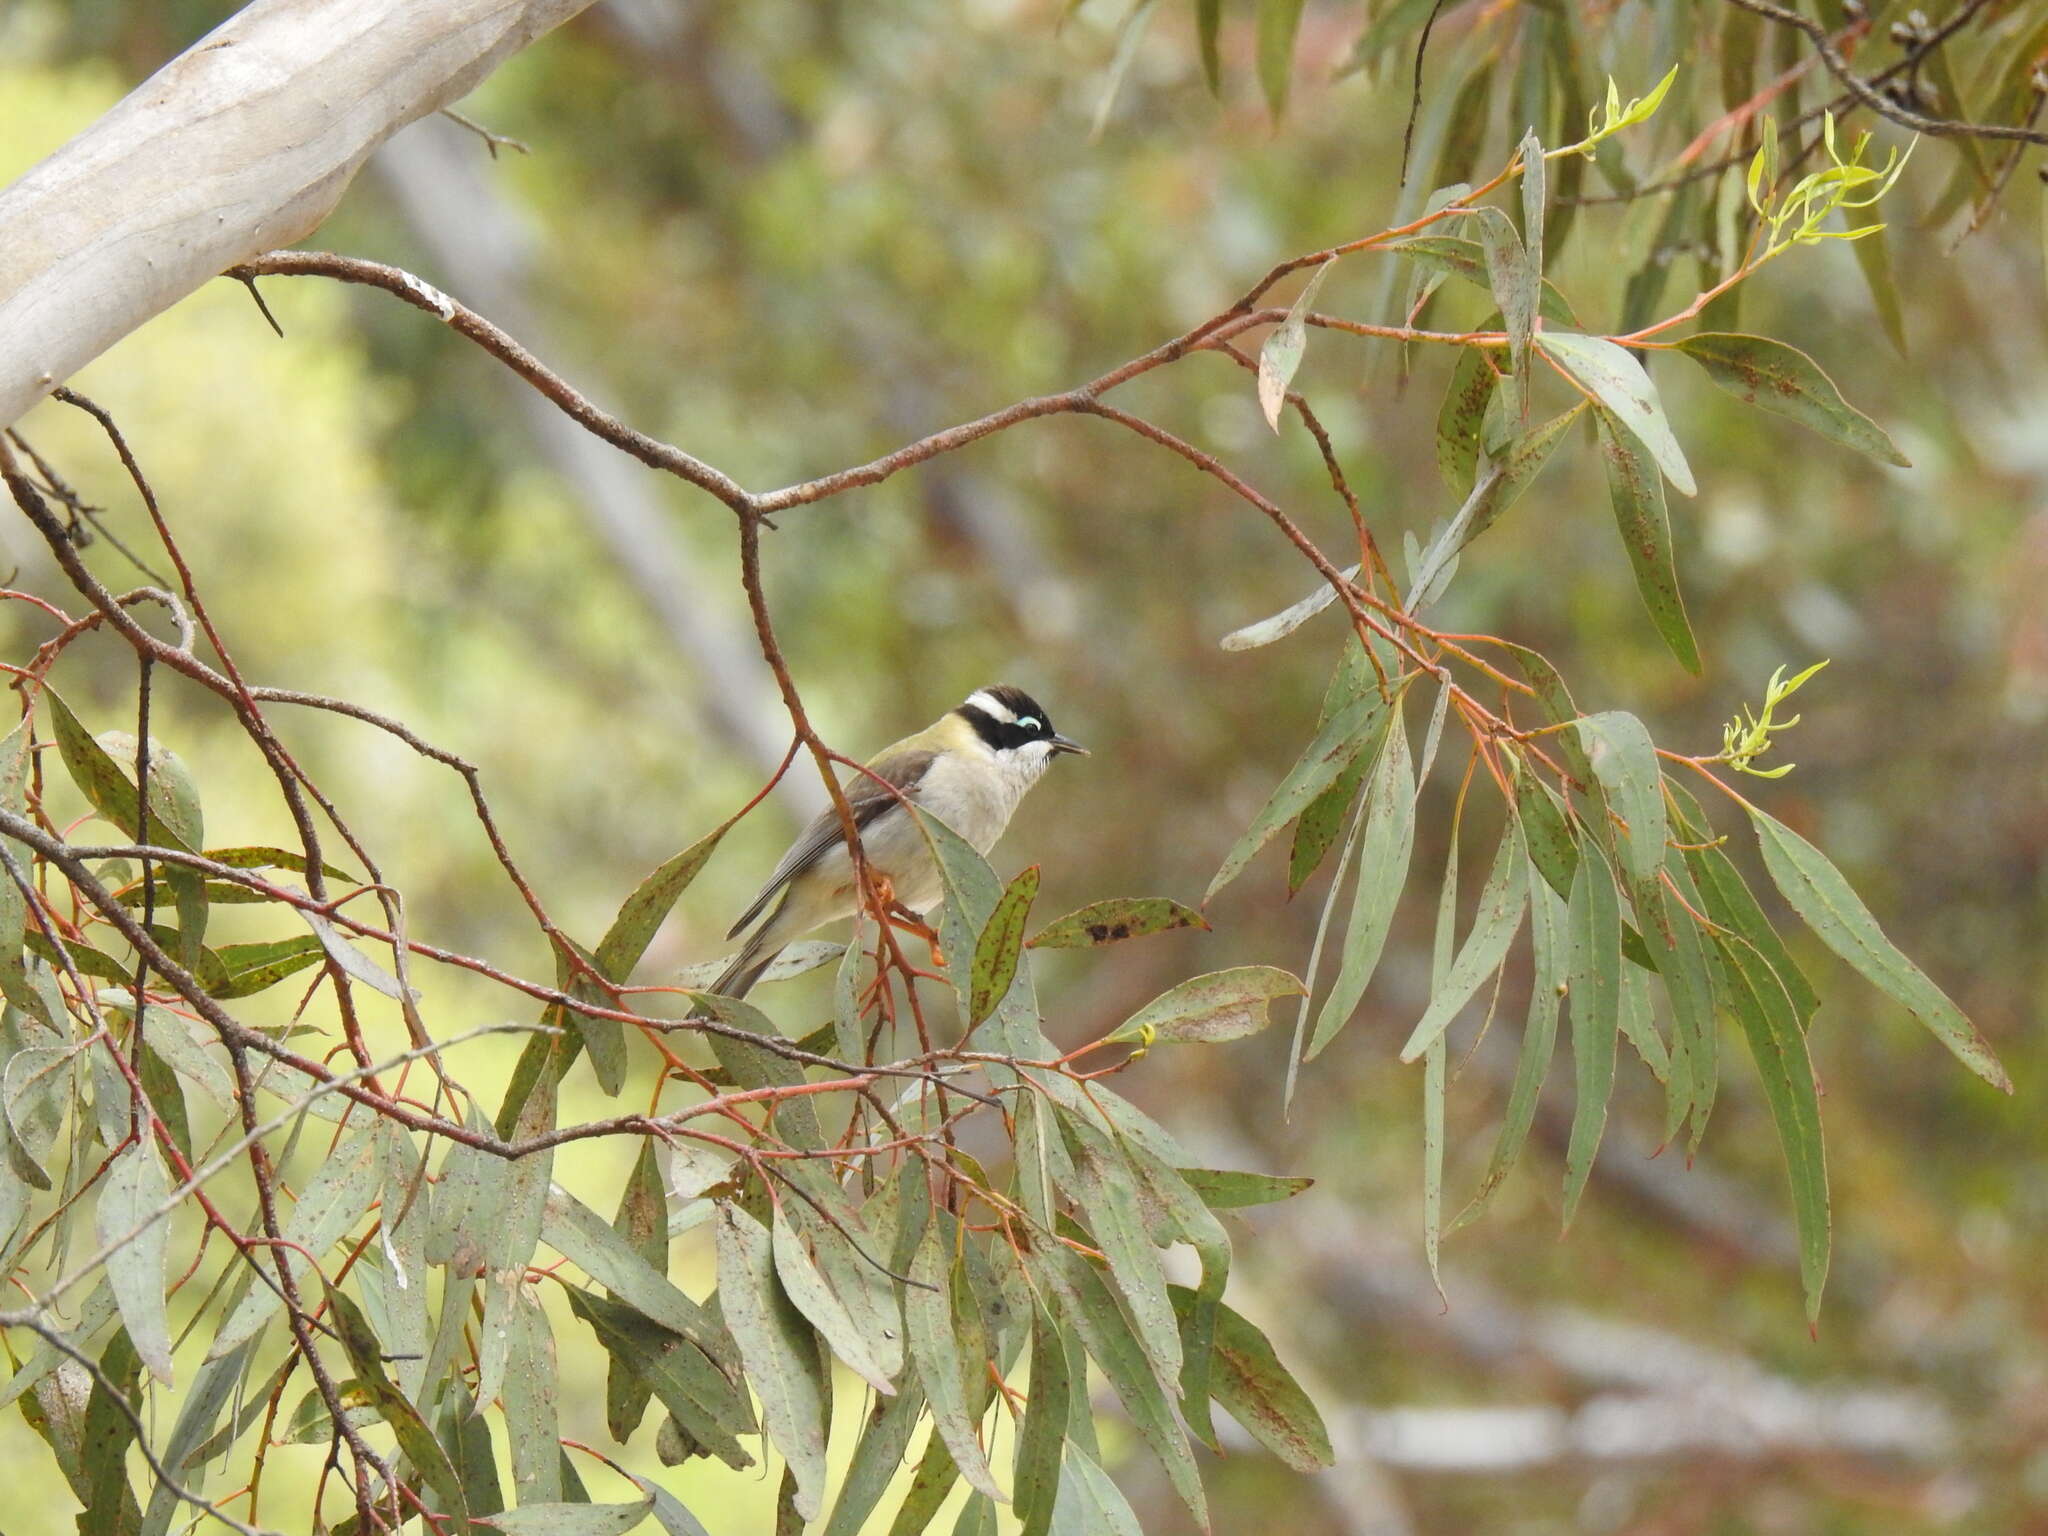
point(969, 769)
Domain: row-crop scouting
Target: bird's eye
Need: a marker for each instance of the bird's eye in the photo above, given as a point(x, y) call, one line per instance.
point(1031, 723)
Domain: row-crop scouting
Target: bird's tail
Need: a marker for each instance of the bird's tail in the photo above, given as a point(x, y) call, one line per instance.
point(755, 956)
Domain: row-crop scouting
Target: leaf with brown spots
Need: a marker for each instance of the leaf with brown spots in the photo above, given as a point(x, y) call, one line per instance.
point(1638, 493)
point(1257, 1390)
point(1111, 921)
point(1774, 377)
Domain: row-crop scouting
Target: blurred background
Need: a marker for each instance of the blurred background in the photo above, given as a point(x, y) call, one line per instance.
point(789, 235)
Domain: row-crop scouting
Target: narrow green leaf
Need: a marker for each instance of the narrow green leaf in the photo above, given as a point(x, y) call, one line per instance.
point(107, 784)
point(107, 1434)
point(1106, 1188)
point(1535, 192)
point(1223, 1189)
point(1874, 257)
point(1625, 762)
point(1344, 737)
point(135, 1186)
point(1000, 946)
point(1458, 420)
point(883, 1444)
point(1515, 282)
point(779, 1349)
point(1593, 924)
point(807, 1289)
point(1036, 1477)
point(1286, 621)
point(264, 857)
point(641, 1222)
point(1775, 377)
point(1825, 902)
point(1553, 848)
point(1389, 839)
point(1316, 828)
point(1495, 491)
point(532, 1430)
point(333, 1200)
point(930, 1486)
point(254, 967)
point(617, 1263)
point(1260, 1394)
point(1727, 901)
point(465, 1434)
point(1494, 926)
point(1637, 1025)
point(1278, 21)
point(1611, 375)
point(700, 1398)
point(1208, 22)
point(1547, 932)
point(1757, 997)
point(571, 1519)
point(1090, 1504)
point(1223, 1005)
point(1637, 491)
point(417, 1441)
point(935, 1351)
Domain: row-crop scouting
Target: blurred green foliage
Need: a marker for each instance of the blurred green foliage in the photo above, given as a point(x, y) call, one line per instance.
point(789, 236)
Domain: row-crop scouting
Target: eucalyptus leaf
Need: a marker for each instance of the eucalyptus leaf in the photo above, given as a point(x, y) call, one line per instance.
point(1776, 377)
point(1611, 375)
point(1223, 1005)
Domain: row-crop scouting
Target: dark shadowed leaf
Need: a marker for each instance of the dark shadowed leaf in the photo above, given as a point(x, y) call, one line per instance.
point(253, 967)
point(695, 1392)
point(1458, 420)
point(594, 1246)
point(884, 1442)
point(1611, 375)
point(1824, 900)
point(1317, 827)
point(1637, 492)
point(1776, 377)
point(110, 786)
point(1223, 1005)
point(1278, 21)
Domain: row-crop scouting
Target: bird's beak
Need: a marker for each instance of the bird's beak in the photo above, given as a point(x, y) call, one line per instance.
point(1062, 744)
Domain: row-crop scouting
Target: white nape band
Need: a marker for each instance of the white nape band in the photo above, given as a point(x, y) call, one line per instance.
point(991, 706)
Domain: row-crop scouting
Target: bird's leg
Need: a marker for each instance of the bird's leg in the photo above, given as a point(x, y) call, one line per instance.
point(912, 922)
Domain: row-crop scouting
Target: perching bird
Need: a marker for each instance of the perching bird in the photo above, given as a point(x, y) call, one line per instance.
point(969, 769)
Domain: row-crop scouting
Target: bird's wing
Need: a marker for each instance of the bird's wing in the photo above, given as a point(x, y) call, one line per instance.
point(905, 770)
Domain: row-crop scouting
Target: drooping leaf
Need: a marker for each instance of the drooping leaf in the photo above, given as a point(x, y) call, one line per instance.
point(1825, 902)
point(1090, 1504)
point(1547, 930)
point(1106, 1186)
point(1389, 839)
point(808, 1290)
point(1874, 257)
point(1637, 491)
point(591, 1243)
point(1611, 375)
point(1593, 928)
point(417, 1441)
point(254, 967)
point(1278, 21)
point(1316, 828)
point(108, 785)
point(1553, 847)
point(1756, 995)
point(1624, 760)
point(1458, 420)
point(532, 1430)
point(1494, 926)
point(1514, 278)
point(1000, 945)
point(1258, 1391)
point(935, 1351)
point(134, 1187)
point(1223, 1005)
point(1775, 377)
point(1035, 1480)
point(779, 1349)
point(699, 1396)
point(883, 1444)
point(1495, 491)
